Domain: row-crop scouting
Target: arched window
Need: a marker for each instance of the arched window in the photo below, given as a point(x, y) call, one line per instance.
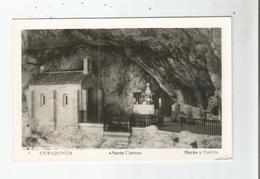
point(65, 100)
point(87, 66)
point(42, 100)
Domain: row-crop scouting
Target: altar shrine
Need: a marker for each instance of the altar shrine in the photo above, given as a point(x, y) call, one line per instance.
point(144, 104)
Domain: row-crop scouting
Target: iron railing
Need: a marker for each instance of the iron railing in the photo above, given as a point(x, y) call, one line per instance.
point(144, 120)
point(199, 126)
point(117, 123)
point(124, 123)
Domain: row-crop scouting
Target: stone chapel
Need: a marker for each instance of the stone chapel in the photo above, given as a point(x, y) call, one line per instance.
point(65, 98)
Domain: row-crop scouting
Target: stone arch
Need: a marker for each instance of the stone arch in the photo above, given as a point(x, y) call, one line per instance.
point(212, 104)
point(214, 108)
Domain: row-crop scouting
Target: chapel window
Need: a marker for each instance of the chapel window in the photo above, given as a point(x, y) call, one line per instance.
point(65, 100)
point(42, 100)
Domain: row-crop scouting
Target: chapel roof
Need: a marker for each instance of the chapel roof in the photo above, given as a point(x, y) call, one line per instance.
point(60, 77)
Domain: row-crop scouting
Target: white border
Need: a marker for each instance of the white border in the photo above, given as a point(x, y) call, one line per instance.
point(147, 154)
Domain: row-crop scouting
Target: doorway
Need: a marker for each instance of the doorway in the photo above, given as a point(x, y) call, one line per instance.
point(92, 106)
point(95, 105)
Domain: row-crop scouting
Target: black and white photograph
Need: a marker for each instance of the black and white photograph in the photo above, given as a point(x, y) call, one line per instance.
point(121, 88)
point(129, 89)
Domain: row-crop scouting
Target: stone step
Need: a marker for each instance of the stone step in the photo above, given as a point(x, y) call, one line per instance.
point(117, 134)
point(122, 143)
point(117, 138)
point(120, 138)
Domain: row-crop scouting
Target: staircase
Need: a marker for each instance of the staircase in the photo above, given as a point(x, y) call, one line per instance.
point(119, 138)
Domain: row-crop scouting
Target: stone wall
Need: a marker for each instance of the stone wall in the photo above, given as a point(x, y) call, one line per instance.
point(53, 113)
point(195, 111)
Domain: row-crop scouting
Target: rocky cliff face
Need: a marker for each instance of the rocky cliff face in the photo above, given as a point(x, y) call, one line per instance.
point(181, 64)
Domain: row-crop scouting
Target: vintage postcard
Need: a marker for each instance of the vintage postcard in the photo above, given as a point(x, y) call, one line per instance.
point(122, 89)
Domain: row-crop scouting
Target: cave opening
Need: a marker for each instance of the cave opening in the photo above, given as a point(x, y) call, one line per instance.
point(215, 111)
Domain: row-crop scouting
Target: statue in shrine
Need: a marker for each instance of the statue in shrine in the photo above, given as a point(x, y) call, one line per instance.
point(147, 95)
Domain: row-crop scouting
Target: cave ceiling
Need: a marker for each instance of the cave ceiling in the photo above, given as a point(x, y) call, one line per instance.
point(188, 60)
